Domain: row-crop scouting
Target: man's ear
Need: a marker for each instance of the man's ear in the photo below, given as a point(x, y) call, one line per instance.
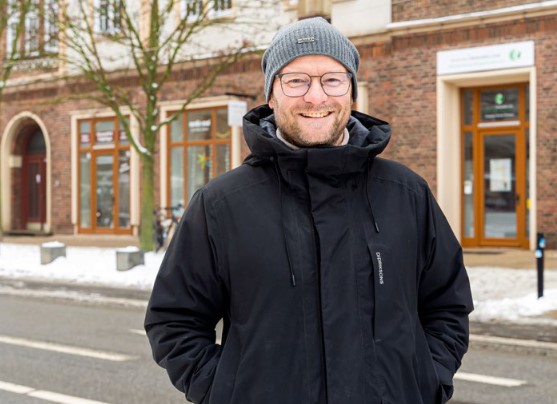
point(271, 102)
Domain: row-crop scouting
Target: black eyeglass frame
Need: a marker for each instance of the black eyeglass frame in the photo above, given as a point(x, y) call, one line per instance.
point(348, 74)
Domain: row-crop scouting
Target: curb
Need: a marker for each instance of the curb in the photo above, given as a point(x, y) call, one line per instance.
point(81, 292)
point(529, 346)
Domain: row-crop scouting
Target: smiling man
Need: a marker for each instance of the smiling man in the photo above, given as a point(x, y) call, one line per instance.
point(337, 276)
point(310, 115)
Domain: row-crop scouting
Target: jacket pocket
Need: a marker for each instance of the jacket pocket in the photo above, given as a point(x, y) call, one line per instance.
point(424, 368)
point(224, 381)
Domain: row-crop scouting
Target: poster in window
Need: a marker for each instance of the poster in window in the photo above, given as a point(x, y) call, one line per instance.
point(500, 172)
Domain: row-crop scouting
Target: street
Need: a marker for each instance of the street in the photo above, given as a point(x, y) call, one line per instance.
point(65, 350)
point(61, 351)
point(506, 377)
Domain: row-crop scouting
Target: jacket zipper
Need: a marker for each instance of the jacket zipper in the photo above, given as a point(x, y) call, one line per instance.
point(322, 331)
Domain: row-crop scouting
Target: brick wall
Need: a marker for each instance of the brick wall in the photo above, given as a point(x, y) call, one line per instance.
point(404, 10)
point(413, 104)
point(546, 60)
point(245, 77)
point(402, 90)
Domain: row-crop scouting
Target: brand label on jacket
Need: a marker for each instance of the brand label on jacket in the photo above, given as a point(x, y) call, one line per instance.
point(380, 268)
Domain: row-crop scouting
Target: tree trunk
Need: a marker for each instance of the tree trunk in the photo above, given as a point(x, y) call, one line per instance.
point(146, 229)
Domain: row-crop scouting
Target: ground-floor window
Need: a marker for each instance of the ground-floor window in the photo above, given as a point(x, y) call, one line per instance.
point(198, 150)
point(495, 156)
point(104, 177)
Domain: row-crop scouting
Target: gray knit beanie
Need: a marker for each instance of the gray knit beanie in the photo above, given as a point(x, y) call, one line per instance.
point(312, 36)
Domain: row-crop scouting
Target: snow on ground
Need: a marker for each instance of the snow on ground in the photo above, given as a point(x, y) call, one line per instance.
point(500, 294)
point(83, 265)
point(512, 295)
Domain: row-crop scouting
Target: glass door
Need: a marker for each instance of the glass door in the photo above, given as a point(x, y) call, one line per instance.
point(494, 144)
point(104, 195)
point(104, 177)
point(502, 189)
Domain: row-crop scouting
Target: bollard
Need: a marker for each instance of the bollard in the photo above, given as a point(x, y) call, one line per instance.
point(129, 257)
point(52, 250)
point(540, 242)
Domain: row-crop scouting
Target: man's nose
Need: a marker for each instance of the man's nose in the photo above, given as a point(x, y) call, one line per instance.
point(315, 94)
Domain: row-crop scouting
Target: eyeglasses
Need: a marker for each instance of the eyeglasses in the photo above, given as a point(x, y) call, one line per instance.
point(334, 84)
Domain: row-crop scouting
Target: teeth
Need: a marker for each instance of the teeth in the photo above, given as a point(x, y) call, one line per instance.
point(315, 114)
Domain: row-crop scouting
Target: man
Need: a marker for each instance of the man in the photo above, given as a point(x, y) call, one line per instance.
point(336, 274)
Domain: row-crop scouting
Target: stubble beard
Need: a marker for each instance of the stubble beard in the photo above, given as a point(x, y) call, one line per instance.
point(294, 134)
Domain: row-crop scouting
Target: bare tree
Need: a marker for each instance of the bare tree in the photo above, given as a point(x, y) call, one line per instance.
point(148, 41)
point(12, 27)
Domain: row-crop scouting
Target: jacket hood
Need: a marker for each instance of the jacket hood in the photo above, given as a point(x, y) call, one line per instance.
point(369, 136)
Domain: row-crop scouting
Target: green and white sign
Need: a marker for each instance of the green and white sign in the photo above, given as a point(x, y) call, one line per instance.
point(483, 58)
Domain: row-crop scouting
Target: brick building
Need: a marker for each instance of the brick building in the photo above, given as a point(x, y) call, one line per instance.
point(468, 87)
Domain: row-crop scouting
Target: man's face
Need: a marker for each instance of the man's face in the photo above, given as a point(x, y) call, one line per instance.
point(315, 118)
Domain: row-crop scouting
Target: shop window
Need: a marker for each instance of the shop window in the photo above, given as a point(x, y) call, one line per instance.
point(104, 177)
point(499, 105)
point(468, 184)
point(199, 150)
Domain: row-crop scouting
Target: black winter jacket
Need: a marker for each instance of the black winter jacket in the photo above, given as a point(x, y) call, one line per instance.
point(338, 278)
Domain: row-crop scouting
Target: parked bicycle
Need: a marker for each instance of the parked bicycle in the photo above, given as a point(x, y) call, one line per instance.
point(166, 222)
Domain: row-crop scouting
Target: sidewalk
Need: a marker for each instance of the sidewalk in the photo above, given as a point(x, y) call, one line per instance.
point(473, 257)
point(80, 240)
point(507, 258)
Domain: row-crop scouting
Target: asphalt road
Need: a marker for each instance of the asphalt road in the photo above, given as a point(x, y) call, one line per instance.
point(81, 351)
point(489, 376)
point(85, 347)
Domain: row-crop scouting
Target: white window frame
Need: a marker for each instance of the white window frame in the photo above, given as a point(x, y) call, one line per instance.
point(52, 13)
point(13, 20)
point(109, 18)
point(33, 45)
point(199, 6)
point(32, 20)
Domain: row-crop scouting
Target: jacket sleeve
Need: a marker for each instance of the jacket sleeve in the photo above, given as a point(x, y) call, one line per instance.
point(445, 299)
point(186, 303)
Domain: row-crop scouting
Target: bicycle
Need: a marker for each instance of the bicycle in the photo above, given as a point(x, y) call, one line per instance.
point(166, 222)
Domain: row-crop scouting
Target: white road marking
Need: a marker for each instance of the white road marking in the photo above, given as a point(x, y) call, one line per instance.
point(45, 394)
point(498, 381)
point(71, 350)
point(514, 342)
point(15, 388)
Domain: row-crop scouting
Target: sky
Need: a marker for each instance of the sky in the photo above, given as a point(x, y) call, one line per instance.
point(500, 294)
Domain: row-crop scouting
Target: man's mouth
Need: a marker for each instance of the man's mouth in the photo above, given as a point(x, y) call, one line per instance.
point(322, 114)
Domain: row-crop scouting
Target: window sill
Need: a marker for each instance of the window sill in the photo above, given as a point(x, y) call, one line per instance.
point(33, 63)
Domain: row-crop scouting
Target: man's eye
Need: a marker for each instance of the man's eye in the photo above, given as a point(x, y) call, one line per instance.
point(296, 81)
point(332, 82)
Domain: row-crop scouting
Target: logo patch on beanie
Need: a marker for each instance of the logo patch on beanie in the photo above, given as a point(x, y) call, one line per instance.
point(306, 39)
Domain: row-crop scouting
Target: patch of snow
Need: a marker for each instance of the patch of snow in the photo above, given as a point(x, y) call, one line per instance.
point(53, 244)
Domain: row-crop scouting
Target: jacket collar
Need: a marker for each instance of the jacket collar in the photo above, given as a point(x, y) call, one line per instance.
point(368, 138)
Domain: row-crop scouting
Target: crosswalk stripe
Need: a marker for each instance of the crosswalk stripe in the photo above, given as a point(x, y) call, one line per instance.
point(498, 381)
point(48, 346)
point(45, 394)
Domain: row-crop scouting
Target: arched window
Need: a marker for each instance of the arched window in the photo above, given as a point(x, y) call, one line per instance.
point(36, 143)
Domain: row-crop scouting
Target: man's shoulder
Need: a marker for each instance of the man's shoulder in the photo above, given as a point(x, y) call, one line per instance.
point(390, 171)
point(235, 181)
